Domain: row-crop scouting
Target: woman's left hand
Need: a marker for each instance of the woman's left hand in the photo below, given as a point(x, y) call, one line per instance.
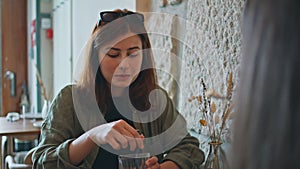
point(152, 163)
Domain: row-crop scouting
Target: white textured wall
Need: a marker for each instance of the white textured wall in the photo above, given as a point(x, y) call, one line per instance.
point(209, 48)
point(216, 48)
point(166, 26)
point(162, 48)
point(196, 39)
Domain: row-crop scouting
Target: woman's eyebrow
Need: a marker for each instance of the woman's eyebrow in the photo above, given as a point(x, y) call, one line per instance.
point(133, 48)
point(112, 48)
point(117, 49)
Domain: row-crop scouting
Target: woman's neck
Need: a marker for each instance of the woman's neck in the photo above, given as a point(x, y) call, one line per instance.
point(117, 91)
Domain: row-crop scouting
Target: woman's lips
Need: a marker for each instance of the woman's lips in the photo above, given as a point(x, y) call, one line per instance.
point(122, 76)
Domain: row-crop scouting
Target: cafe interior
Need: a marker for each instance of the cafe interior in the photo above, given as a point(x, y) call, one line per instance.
point(42, 41)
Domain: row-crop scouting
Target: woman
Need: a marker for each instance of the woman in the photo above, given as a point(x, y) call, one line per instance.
point(92, 122)
point(268, 106)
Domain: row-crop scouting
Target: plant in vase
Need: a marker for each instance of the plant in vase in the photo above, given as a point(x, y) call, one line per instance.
point(46, 103)
point(216, 109)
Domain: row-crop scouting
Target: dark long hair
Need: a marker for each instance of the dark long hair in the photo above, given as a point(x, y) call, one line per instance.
point(268, 102)
point(92, 77)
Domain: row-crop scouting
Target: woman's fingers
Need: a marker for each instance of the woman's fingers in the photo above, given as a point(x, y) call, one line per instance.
point(113, 142)
point(119, 139)
point(118, 134)
point(137, 137)
point(152, 163)
point(133, 137)
point(130, 139)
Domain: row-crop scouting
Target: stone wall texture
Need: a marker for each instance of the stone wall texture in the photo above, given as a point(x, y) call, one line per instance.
point(207, 45)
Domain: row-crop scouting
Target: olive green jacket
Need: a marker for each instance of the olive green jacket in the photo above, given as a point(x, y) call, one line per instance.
point(62, 126)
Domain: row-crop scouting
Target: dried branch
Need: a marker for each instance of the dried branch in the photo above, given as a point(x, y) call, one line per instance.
point(225, 117)
point(215, 118)
point(41, 83)
point(229, 86)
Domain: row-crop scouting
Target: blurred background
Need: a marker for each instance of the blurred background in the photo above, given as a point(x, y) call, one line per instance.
point(44, 36)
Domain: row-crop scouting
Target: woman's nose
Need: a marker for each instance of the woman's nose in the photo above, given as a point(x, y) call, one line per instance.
point(124, 63)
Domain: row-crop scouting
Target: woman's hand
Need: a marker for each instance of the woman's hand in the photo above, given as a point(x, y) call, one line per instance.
point(152, 163)
point(118, 134)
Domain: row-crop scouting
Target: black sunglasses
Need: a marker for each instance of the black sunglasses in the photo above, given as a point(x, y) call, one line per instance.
point(109, 16)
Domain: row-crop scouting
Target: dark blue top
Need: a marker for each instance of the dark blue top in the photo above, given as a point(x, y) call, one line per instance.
point(105, 159)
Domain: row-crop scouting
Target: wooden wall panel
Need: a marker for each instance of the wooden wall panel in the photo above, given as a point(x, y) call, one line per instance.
point(14, 50)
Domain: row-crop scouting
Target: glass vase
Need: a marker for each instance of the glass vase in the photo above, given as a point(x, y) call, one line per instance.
point(216, 158)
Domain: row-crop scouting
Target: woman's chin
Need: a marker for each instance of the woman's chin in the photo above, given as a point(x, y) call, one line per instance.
point(121, 84)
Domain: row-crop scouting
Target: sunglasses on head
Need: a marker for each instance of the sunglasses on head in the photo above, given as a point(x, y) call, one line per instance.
point(109, 16)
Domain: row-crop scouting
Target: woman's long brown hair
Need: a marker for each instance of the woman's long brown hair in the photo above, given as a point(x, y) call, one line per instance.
point(92, 77)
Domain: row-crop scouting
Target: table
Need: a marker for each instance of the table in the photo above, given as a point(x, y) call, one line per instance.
point(18, 128)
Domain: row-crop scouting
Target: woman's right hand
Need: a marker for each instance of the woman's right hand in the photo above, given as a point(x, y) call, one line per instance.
point(118, 135)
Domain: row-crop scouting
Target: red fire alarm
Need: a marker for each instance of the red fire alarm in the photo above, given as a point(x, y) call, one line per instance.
point(49, 33)
point(32, 33)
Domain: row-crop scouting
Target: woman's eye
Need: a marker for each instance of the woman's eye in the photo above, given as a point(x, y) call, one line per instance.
point(134, 54)
point(113, 55)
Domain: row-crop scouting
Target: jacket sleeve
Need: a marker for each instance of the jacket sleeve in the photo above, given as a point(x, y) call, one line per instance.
point(58, 130)
point(186, 154)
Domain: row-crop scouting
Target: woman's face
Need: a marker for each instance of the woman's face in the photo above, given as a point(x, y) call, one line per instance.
point(121, 62)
